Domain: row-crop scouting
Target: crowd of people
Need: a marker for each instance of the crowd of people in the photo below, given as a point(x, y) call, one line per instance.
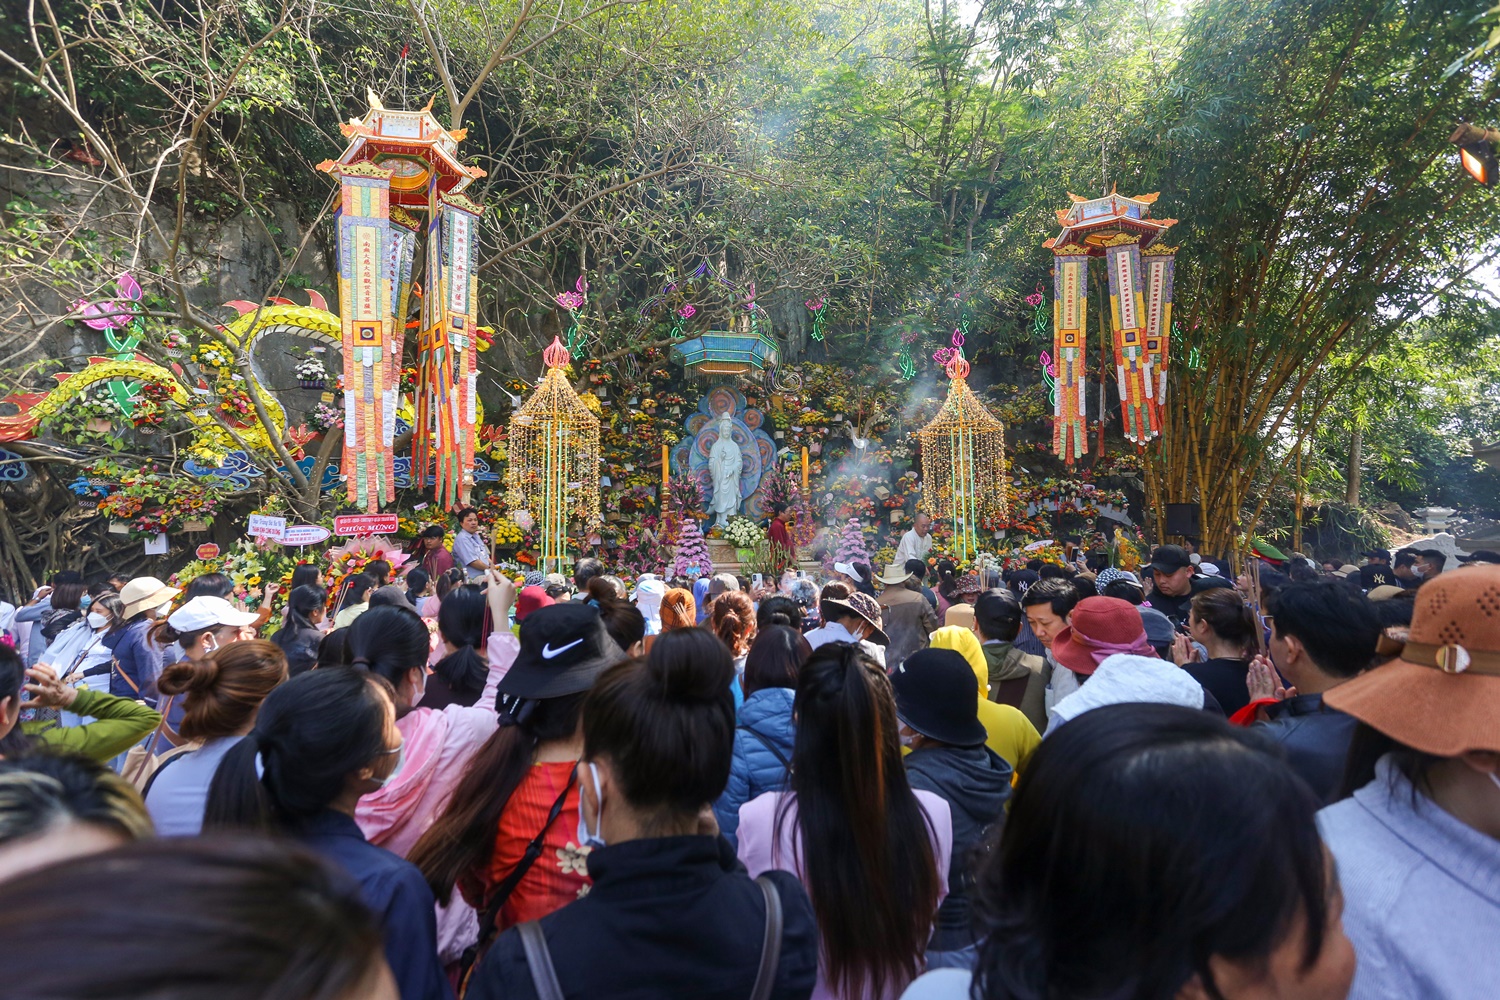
point(1044, 783)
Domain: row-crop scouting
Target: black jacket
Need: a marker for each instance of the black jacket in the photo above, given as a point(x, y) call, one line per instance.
point(301, 648)
point(975, 781)
point(666, 917)
point(1316, 739)
point(1225, 680)
point(1177, 608)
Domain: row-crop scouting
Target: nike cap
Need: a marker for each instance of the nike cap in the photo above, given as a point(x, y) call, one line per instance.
point(563, 648)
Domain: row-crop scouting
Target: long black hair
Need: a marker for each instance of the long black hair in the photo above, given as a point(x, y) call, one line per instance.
point(462, 838)
point(310, 735)
point(392, 643)
point(465, 670)
point(867, 855)
point(1142, 841)
point(300, 604)
point(227, 918)
point(416, 582)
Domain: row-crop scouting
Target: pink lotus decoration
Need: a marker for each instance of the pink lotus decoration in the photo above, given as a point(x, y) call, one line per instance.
point(114, 314)
point(815, 303)
point(1047, 365)
point(688, 311)
point(575, 299)
point(1034, 299)
point(750, 298)
point(945, 355)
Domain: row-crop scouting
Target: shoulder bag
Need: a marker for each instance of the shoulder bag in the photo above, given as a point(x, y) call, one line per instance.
point(503, 891)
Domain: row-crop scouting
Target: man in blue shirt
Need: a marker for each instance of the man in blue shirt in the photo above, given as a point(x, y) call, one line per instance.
point(469, 548)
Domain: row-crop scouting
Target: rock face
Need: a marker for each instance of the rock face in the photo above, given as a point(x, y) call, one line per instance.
point(219, 260)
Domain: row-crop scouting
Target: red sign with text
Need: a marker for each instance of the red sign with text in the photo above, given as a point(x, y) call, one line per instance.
point(208, 550)
point(356, 525)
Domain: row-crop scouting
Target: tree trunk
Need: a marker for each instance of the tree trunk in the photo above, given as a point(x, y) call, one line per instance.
point(1356, 444)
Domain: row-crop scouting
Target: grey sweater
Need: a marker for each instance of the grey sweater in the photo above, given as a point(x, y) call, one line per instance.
point(1421, 891)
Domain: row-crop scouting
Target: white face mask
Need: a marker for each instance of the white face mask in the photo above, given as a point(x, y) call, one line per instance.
point(596, 837)
point(1495, 778)
point(96, 620)
point(400, 753)
point(418, 690)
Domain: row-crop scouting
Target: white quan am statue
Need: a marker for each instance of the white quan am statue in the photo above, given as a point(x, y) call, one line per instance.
point(724, 465)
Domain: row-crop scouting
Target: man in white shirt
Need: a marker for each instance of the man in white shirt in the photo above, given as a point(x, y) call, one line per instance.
point(916, 543)
point(469, 549)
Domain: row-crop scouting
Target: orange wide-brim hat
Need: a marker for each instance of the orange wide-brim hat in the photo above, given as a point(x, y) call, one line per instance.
point(1442, 694)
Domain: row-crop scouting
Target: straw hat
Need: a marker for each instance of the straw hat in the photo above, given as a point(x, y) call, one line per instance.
point(895, 575)
point(144, 592)
point(1442, 694)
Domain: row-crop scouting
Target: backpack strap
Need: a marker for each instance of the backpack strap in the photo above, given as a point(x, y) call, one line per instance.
point(539, 960)
point(769, 744)
point(770, 949)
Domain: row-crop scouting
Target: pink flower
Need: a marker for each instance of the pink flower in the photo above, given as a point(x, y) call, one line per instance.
point(688, 311)
point(569, 300)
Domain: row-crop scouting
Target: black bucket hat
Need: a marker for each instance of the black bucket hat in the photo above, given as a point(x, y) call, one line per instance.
point(937, 695)
point(563, 648)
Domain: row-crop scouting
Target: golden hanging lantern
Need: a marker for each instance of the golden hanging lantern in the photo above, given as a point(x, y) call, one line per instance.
point(553, 472)
point(964, 475)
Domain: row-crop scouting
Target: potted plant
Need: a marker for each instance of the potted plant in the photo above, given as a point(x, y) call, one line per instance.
point(311, 373)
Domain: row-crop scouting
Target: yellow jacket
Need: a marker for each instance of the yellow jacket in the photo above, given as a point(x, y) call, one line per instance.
point(1011, 734)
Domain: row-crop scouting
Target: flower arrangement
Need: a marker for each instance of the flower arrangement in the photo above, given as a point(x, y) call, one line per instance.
point(155, 503)
point(506, 533)
point(311, 373)
point(343, 561)
point(325, 416)
point(234, 402)
point(743, 533)
point(692, 560)
point(211, 356)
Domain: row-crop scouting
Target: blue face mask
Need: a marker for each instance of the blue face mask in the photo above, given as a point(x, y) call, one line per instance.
point(586, 838)
point(84, 602)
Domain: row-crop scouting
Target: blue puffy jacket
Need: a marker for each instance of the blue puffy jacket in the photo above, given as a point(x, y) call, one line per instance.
point(755, 768)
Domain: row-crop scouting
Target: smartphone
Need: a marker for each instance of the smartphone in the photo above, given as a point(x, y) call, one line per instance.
point(757, 579)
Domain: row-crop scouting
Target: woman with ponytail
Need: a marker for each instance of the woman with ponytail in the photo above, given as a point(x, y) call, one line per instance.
point(300, 635)
point(321, 742)
point(440, 744)
point(518, 789)
point(221, 693)
point(872, 853)
point(671, 914)
point(459, 677)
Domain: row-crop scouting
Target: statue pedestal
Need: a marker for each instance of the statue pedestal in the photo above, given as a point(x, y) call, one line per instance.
point(723, 555)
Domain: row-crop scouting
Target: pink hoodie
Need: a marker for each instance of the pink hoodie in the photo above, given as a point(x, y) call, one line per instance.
point(439, 746)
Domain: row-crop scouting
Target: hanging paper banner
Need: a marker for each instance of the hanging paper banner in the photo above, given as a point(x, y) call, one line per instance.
point(1127, 316)
point(1159, 262)
point(368, 292)
point(1069, 342)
